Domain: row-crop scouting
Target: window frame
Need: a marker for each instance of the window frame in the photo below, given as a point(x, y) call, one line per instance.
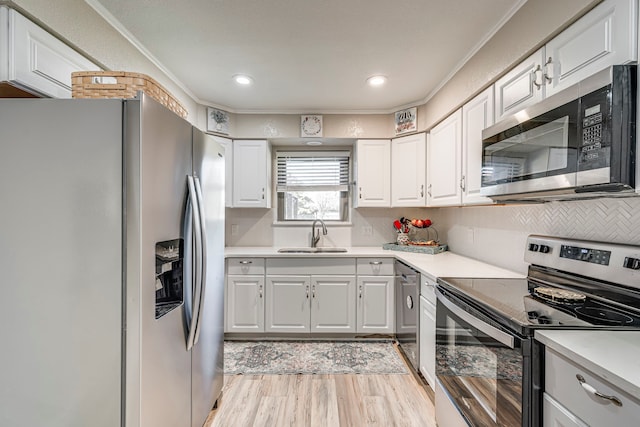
point(345, 199)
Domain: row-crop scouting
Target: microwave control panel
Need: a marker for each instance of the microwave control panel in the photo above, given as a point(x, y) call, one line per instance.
point(593, 148)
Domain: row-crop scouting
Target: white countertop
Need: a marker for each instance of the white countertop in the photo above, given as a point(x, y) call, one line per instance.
point(446, 264)
point(611, 355)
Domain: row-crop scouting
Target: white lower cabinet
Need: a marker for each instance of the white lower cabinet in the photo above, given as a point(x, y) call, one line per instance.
point(575, 396)
point(375, 305)
point(244, 295)
point(245, 304)
point(316, 295)
point(428, 341)
point(310, 304)
point(556, 415)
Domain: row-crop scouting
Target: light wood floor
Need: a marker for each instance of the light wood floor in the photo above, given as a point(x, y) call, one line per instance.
point(323, 401)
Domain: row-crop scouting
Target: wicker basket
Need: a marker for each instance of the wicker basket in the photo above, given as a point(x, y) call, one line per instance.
point(121, 84)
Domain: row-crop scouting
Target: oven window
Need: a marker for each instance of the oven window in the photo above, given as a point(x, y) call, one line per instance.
point(482, 376)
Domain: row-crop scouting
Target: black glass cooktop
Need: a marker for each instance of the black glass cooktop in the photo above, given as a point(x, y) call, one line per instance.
point(512, 303)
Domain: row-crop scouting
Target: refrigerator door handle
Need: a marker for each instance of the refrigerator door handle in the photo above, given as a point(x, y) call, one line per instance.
point(196, 280)
point(203, 258)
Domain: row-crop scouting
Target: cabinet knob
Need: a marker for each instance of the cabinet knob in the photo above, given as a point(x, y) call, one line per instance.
point(422, 190)
point(429, 190)
point(246, 262)
point(360, 291)
point(260, 291)
point(375, 262)
point(307, 288)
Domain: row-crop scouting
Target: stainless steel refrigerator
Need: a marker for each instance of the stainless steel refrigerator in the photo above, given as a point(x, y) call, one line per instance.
point(111, 254)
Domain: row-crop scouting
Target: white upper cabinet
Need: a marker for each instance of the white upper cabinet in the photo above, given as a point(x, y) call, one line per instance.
point(251, 174)
point(408, 171)
point(227, 144)
point(603, 37)
point(373, 173)
point(520, 87)
point(444, 155)
point(34, 60)
point(477, 115)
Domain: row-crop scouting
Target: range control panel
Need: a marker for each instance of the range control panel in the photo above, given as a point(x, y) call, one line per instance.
point(595, 256)
point(611, 262)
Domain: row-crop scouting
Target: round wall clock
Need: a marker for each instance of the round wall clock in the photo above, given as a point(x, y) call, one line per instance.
point(311, 125)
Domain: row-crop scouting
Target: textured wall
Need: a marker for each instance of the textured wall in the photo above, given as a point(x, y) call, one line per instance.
point(497, 234)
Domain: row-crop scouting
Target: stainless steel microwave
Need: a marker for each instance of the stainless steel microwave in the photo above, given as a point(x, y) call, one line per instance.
point(579, 143)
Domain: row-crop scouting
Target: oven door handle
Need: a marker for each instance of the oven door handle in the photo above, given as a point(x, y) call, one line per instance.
point(491, 331)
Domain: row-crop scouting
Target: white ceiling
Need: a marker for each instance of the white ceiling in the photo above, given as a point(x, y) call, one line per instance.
point(309, 55)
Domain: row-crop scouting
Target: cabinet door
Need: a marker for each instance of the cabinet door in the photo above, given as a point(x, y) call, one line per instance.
point(444, 159)
point(519, 88)
point(245, 304)
point(428, 341)
point(228, 171)
point(375, 305)
point(408, 163)
point(556, 415)
point(40, 62)
point(288, 304)
point(477, 115)
point(605, 36)
point(333, 304)
point(251, 174)
point(373, 173)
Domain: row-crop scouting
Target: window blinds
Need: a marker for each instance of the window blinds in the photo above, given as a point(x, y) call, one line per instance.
point(312, 171)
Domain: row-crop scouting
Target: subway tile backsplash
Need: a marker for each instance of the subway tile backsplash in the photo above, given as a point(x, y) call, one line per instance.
point(493, 234)
point(497, 234)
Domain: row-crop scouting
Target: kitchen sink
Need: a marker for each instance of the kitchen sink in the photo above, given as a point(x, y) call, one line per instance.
point(311, 250)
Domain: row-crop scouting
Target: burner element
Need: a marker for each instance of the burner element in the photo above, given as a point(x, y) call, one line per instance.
point(559, 295)
point(601, 316)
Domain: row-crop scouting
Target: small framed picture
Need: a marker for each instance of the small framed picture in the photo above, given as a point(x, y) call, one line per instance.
point(406, 120)
point(310, 126)
point(217, 121)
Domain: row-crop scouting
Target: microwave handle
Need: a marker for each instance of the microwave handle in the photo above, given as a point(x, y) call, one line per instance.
point(491, 331)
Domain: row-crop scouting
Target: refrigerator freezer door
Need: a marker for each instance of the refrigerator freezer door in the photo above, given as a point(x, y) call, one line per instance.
point(61, 262)
point(207, 354)
point(158, 160)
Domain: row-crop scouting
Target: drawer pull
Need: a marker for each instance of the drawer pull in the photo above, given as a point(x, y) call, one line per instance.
point(246, 262)
point(591, 390)
point(375, 262)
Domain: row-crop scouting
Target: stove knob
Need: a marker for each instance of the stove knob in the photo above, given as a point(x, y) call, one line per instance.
point(545, 249)
point(533, 247)
point(632, 263)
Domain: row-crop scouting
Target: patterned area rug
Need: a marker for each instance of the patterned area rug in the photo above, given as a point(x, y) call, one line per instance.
point(310, 357)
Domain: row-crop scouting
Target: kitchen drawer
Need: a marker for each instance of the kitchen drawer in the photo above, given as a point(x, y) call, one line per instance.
point(245, 265)
point(561, 383)
point(375, 266)
point(307, 266)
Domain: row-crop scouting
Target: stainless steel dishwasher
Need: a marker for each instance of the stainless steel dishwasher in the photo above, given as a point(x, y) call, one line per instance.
point(407, 309)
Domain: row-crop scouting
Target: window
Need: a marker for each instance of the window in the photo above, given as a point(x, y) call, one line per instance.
point(313, 185)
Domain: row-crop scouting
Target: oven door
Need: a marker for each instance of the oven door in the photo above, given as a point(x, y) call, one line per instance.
point(479, 366)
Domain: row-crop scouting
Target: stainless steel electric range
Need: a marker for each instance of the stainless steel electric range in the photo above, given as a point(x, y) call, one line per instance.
point(489, 368)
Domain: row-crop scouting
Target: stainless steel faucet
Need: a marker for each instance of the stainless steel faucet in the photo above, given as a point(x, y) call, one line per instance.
point(314, 238)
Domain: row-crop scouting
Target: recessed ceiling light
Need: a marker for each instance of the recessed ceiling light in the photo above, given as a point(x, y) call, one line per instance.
point(376, 80)
point(313, 142)
point(242, 79)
